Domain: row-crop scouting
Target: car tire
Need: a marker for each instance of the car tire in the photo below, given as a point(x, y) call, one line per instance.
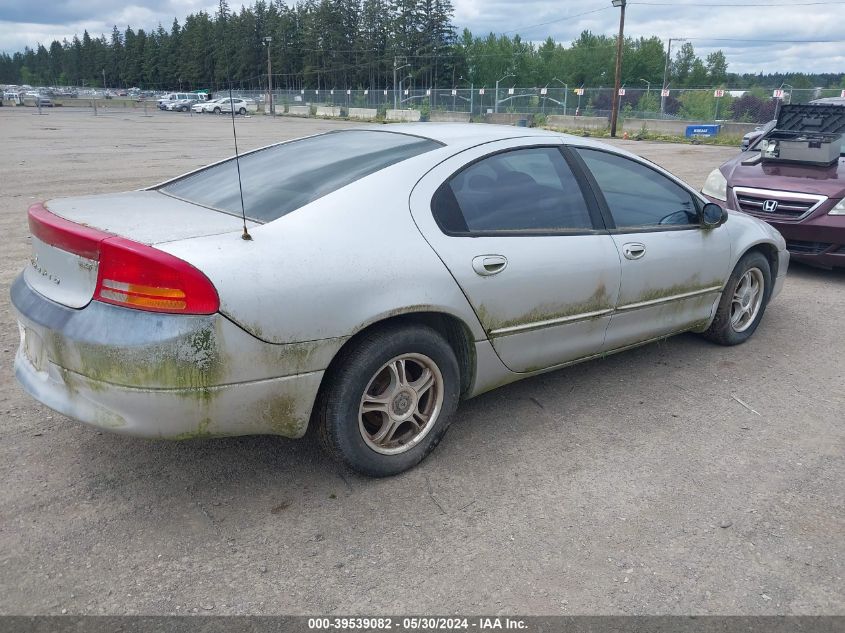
point(242, 111)
point(375, 413)
point(741, 307)
point(216, 110)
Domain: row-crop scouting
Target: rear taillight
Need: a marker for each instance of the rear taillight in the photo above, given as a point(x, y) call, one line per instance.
point(130, 274)
point(139, 276)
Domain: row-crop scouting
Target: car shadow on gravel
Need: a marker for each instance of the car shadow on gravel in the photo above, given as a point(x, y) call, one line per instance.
point(803, 271)
point(485, 428)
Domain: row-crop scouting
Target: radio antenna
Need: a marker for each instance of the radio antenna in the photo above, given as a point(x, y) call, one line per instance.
point(223, 13)
point(245, 236)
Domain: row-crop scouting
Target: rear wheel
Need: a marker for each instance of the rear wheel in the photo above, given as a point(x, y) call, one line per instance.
point(388, 400)
point(743, 301)
point(242, 111)
point(216, 110)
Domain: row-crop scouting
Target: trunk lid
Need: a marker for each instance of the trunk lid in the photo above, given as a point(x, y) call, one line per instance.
point(66, 234)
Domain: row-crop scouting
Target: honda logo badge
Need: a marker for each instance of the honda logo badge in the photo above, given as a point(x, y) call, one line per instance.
point(770, 206)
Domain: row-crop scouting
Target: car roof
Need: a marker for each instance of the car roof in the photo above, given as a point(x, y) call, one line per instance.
point(464, 134)
point(460, 136)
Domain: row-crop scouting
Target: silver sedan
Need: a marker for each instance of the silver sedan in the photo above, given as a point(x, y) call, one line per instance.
point(391, 272)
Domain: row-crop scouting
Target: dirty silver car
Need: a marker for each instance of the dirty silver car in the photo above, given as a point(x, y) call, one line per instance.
point(391, 273)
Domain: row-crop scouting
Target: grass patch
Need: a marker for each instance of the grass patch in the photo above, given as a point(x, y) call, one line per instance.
point(728, 140)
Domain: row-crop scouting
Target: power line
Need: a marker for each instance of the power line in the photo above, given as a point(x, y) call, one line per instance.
point(563, 19)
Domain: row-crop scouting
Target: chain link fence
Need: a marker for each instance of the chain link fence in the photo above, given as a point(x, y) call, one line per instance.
point(703, 105)
point(642, 109)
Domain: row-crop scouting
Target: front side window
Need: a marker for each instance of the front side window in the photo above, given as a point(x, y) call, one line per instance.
point(638, 196)
point(519, 190)
point(282, 178)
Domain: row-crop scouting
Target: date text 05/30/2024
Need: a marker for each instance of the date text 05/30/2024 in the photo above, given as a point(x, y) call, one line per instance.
point(417, 623)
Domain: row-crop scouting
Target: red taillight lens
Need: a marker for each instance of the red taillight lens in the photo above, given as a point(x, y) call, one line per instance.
point(130, 274)
point(139, 276)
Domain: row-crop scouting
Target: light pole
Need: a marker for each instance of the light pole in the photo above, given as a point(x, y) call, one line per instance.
point(272, 110)
point(565, 92)
point(666, 72)
point(614, 111)
point(496, 104)
point(647, 87)
point(396, 68)
point(471, 91)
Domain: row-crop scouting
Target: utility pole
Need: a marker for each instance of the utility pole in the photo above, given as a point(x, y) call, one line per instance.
point(104, 81)
point(614, 112)
point(267, 41)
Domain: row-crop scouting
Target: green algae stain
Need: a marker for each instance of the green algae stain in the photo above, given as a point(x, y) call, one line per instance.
point(693, 285)
point(202, 431)
point(192, 362)
point(597, 302)
point(279, 414)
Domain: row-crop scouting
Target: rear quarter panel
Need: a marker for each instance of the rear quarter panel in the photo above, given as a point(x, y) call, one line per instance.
point(329, 269)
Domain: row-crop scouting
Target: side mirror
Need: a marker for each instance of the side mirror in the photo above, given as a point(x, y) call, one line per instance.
point(712, 215)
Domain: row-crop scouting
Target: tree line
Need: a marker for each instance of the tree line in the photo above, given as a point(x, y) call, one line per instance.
point(359, 44)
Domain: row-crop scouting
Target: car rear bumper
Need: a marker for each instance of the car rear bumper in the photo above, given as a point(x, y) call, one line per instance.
point(279, 406)
point(163, 376)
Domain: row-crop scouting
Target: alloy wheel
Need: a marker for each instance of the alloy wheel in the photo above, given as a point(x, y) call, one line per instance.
point(747, 299)
point(401, 404)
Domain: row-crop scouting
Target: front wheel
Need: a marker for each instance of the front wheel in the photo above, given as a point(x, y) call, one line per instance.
point(388, 400)
point(216, 110)
point(743, 301)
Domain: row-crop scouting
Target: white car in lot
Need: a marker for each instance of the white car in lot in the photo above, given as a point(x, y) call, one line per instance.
point(214, 106)
point(241, 106)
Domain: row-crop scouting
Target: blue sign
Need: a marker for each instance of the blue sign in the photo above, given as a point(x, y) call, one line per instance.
point(702, 130)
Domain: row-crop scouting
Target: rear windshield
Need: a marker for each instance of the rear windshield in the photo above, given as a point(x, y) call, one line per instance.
point(282, 178)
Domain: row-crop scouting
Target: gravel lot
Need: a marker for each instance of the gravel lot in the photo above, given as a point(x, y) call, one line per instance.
point(632, 485)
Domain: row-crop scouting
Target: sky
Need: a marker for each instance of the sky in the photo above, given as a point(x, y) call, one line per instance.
point(710, 24)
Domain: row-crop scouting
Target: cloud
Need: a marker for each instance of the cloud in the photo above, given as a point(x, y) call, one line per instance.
point(700, 23)
point(27, 23)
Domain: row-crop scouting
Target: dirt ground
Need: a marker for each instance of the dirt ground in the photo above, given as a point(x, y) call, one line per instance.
point(632, 485)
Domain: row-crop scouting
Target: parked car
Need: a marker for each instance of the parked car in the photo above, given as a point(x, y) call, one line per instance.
point(37, 99)
point(750, 138)
point(213, 106)
point(805, 202)
point(241, 106)
point(500, 253)
point(182, 105)
point(165, 102)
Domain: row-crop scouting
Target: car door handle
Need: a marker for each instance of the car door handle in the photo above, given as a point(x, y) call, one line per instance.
point(486, 265)
point(633, 250)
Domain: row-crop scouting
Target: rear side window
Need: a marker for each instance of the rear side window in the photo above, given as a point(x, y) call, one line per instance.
point(285, 177)
point(519, 190)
